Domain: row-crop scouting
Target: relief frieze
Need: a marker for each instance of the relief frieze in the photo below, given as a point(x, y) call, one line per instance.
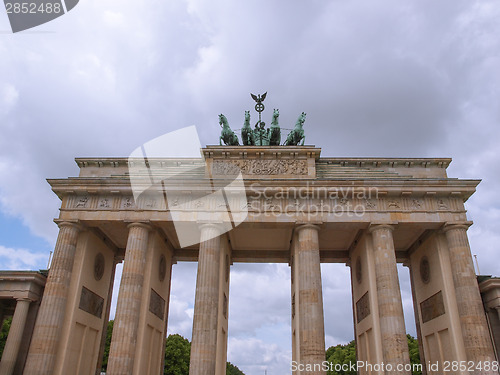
point(91, 302)
point(156, 304)
point(275, 203)
point(416, 204)
point(260, 167)
point(128, 203)
point(362, 308)
point(105, 203)
point(82, 202)
point(432, 307)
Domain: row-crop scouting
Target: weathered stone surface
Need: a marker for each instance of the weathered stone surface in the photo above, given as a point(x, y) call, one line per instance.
point(477, 341)
point(43, 348)
point(123, 344)
point(204, 342)
point(390, 307)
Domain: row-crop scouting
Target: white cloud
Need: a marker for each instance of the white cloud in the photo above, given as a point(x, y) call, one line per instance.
point(22, 259)
point(254, 356)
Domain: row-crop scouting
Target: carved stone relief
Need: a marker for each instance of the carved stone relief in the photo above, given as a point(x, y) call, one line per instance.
point(128, 202)
point(441, 204)
point(104, 203)
point(82, 202)
point(432, 307)
point(99, 265)
point(359, 275)
point(393, 204)
point(162, 268)
point(91, 302)
point(260, 167)
point(362, 308)
point(156, 304)
point(268, 203)
point(224, 306)
point(425, 270)
point(227, 268)
point(416, 204)
point(370, 204)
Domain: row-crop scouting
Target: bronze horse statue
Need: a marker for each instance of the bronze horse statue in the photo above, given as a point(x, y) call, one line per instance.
point(227, 135)
point(275, 131)
point(247, 135)
point(297, 134)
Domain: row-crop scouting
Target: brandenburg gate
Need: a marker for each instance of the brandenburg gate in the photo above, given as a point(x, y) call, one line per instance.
point(258, 203)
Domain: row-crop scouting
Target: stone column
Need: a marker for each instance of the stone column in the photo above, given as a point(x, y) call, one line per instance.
point(204, 343)
point(13, 343)
point(390, 306)
point(312, 325)
point(125, 328)
point(48, 327)
point(477, 342)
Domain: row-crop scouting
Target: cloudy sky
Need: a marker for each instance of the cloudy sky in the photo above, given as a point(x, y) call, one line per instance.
point(386, 78)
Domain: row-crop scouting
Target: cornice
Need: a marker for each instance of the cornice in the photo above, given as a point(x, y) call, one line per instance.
point(377, 162)
point(278, 152)
point(262, 152)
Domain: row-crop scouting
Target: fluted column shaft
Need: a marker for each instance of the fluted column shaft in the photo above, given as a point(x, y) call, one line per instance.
point(47, 332)
point(477, 342)
point(390, 306)
point(13, 343)
point(204, 343)
point(125, 329)
point(312, 325)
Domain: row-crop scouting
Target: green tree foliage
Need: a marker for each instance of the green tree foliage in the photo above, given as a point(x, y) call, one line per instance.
point(414, 353)
point(345, 354)
point(341, 354)
point(4, 333)
point(177, 355)
point(109, 332)
point(177, 352)
point(232, 369)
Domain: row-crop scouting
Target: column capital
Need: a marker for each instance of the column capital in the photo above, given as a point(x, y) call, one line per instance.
point(214, 225)
point(140, 224)
point(21, 299)
point(66, 223)
point(314, 226)
point(456, 225)
point(375, 226)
